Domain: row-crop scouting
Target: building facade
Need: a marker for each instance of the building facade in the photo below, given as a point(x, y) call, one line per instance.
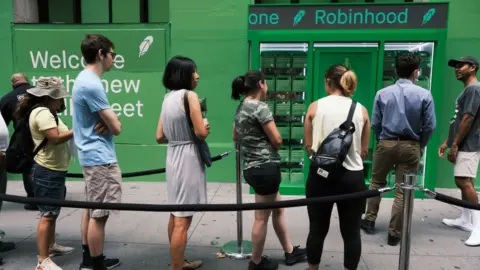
point(42, 38)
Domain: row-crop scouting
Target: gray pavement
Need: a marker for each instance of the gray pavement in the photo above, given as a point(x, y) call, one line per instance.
point(140, 239)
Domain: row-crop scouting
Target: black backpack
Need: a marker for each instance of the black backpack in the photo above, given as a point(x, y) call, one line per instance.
point(332, 152)
point(20, 152)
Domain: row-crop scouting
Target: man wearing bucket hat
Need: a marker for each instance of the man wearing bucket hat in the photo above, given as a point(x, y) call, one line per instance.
point(50, 164)
point(464, 143)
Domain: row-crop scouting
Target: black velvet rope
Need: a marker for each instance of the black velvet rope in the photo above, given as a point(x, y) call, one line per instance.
point(451, 200)
point(190, 207)
point(147, 172)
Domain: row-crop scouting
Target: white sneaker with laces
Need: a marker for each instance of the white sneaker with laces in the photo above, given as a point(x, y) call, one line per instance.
point(59, 250)
point(474, 239)
point(47, 264)
point(464, 222)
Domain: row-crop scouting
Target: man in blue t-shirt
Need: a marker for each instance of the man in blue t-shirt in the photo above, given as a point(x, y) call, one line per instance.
point(94, 125)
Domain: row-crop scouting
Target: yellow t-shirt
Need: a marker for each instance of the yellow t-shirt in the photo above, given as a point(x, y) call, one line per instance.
point(53, 157)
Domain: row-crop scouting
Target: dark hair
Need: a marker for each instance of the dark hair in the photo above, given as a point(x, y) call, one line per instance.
point(476, 68)
point(179, 73)
point(341, 78)
point(406, 63)
point(472, 65)
point(92, 43)
point(27, 103)
point(247, 84)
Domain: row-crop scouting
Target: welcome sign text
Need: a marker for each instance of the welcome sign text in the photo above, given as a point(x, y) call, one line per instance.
point(45, 60)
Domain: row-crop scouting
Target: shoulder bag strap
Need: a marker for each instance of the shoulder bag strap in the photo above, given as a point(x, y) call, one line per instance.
point(39, 147)
point(348, 124)
point(187, 108)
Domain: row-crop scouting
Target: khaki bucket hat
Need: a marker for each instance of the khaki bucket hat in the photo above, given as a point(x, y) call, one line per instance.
point(49, 86)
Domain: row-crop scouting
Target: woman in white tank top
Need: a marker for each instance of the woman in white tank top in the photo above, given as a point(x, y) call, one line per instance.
point(322, 117)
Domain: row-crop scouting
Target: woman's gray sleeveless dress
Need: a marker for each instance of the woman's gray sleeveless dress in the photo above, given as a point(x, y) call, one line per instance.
point(186, 181)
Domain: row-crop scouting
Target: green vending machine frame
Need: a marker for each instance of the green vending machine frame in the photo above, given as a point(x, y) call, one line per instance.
point(294, 44)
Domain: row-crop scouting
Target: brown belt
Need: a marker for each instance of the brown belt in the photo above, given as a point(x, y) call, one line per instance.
point(401, 138)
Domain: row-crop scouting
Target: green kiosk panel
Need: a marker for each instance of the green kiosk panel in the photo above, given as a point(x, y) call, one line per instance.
point(425, 51)
point(294, 49)
point(287, 92)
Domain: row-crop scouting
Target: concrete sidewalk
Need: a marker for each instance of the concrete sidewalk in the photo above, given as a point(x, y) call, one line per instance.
point(139, 239)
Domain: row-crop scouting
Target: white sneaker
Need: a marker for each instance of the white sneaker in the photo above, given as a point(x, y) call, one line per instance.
point(474, 239)
point(59, 250)
point(458, 223)
point(47, 264)
point(464, 222)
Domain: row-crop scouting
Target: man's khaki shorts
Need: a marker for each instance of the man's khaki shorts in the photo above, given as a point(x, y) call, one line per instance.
point(102, 184)
point(466, 164)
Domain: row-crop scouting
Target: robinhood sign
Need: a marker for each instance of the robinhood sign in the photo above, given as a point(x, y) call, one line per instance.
point(133, 85)
point(308, 17)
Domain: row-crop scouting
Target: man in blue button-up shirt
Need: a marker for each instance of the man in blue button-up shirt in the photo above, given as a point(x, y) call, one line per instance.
point(403, 121)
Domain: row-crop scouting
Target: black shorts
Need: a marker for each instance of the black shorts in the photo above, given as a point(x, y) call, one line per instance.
point(264, 179)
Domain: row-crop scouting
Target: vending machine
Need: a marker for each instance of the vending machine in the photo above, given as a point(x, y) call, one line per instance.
point(295, 44)
point(285, 68)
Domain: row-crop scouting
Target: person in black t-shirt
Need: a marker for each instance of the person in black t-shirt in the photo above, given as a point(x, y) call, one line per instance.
point(463, 142)
point(8, 104)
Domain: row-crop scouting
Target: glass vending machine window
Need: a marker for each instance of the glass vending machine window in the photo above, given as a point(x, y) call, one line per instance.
point(425, 51)
point(285, 68)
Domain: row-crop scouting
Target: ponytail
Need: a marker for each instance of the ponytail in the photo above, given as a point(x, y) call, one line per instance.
point(339, 77)
point(247, 84)
point(238, 87)
point(348, 83)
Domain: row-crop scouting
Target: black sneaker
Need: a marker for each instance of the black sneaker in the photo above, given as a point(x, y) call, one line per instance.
point(297, 255)
point(368, 226)
point(265, 264)
point(30, 207)
point(6, 246)
point(393, 240)
point(109, 264)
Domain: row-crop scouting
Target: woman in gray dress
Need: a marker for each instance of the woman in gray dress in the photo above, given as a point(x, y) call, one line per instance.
point(186, 182)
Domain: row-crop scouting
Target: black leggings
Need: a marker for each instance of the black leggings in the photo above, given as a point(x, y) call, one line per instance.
point(349, 214)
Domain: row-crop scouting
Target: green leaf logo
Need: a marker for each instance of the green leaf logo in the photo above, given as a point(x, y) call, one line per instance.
point(145, 45)
point(428, 16)
point(298, 17)
point(347, 63)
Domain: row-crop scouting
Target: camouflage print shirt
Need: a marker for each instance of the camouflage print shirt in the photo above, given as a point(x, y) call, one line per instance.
point(255, 145)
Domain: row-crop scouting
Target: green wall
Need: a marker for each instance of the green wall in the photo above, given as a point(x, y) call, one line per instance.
point(214, 34)
point(98, 11)
point(133, 84)
point(126, 11)
point(6, 68)
point(461, 41)
point(221, 52)
point(136, 147)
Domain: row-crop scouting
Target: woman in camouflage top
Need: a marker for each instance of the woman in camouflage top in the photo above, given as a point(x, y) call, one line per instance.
point(259, 140)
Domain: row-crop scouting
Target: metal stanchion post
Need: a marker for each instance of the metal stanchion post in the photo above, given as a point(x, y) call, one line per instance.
point(409, 181)
point(238, 249)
